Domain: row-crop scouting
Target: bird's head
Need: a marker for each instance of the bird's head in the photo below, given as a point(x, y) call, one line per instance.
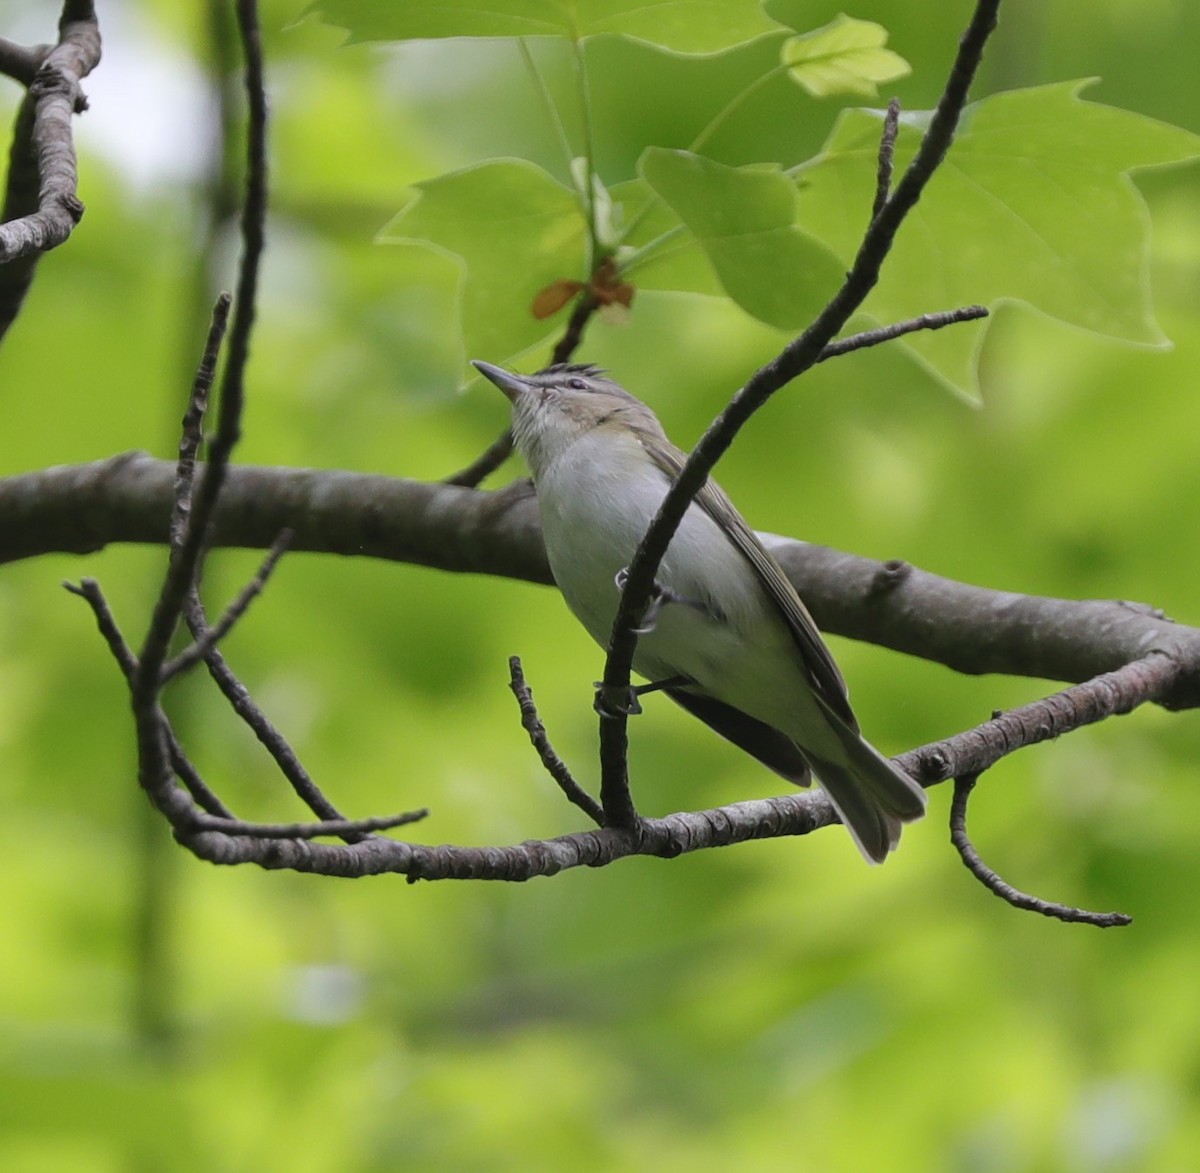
point(557, 406)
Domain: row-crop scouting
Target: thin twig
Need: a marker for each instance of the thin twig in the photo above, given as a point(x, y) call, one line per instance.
point(501, 448)
point(89, 590)
point(192, 432)
point(935, 321)
point(797, 357)
point(576, 324)
point(238, 696)
point(213, 635)
point(349, 829)
point(486, 463)
point(153, 764)
point(887, 153)
point(999, 887)
point(555, 766)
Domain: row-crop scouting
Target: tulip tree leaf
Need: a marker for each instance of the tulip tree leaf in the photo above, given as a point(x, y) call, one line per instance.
point(847, 56)
point(699, 26)
point(515, 229)
point(1033, 203)
point(744, 218)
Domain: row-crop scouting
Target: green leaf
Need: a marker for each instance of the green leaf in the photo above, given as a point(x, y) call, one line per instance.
point(847, 56)
point(684, 26)
point(744, 220)
point(515, 229)
point(676, 262)
point(1033, 203)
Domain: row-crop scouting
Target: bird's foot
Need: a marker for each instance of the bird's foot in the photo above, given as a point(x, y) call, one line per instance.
point(612, 703)
point(660, 596)
point(615, 702)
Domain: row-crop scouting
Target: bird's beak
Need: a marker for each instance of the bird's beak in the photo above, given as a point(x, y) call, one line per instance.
point(512, 385)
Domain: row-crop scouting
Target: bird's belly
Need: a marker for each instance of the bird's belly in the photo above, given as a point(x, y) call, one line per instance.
point(723, 632)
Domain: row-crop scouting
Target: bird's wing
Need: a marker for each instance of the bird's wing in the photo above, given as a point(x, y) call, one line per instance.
point(822, 672)
point(774, 749)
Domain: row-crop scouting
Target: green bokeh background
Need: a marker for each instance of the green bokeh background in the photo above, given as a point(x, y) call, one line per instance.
point(776, 1006)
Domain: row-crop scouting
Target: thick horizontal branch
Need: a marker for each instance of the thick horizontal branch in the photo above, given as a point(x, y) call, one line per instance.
point(82, 508)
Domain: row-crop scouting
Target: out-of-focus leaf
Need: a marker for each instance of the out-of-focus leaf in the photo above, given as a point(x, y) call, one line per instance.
point(745, 220)
point(697, 26)
point(677, 265)
point(847, 56)
point(516, 231)
point(1033, 203)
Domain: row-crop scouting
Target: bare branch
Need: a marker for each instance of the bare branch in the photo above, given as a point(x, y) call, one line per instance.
point(1108, 695)
point(55, 94)
point(213, 635)
point(799, 813)
point(41, 207)
point(868, 338)
point(576, 324)
point(192, 434)
point(555, 766)
point(82, 508)
point(349, 829)
point(89, 591)
point(999, 887)
point(240, 700)
point(486, 463)
point(501, 448)
point(796, 358)
point(887, 152)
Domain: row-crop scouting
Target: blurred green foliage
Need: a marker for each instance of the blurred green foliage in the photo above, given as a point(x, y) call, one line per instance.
point(774, 1007)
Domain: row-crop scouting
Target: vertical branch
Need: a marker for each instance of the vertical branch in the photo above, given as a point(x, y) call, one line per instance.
point(796, 358)
point(195, 509)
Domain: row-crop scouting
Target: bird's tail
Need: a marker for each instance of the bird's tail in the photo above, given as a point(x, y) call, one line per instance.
point(873, 797)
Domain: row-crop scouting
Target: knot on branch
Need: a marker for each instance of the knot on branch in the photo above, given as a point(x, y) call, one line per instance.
point(52, 79)
point(890, 576)
point(72, 205)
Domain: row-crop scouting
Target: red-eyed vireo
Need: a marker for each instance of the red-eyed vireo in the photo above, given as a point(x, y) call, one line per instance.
point(725, 628)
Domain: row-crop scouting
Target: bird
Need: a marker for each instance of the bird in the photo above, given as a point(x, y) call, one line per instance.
point(725, 635)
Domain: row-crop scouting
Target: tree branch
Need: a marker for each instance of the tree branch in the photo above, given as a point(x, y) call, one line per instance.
point(797, 357)
point(992, 881)
point(795, 814)
point(41, 207)
point(83, 508)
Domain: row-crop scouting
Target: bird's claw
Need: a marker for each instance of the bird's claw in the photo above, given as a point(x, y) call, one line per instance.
point(660, 596)
point(624, 704)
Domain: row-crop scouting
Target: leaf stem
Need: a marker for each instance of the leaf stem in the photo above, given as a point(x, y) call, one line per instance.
point(547, 97)
point(589, 172)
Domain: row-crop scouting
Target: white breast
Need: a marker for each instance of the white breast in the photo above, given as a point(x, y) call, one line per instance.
point(597, 499)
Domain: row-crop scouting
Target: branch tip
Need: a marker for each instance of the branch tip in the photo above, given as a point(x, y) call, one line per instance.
point(991, 880)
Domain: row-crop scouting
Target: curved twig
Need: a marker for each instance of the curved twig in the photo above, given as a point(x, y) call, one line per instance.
point(992, 881)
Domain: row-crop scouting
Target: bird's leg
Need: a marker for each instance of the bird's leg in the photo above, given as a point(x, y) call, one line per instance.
point(629, 705)
point(660, 596)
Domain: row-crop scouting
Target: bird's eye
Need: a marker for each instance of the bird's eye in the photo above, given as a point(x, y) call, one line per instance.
point(577, 384)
